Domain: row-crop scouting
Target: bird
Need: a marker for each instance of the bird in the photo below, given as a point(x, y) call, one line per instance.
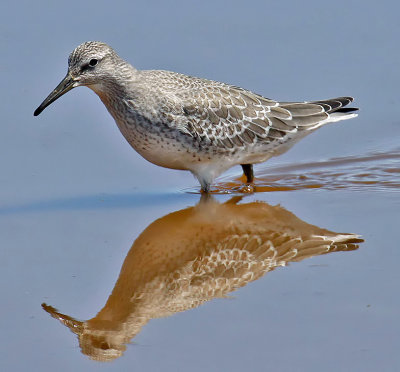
point(194, 255)
point(183, 122)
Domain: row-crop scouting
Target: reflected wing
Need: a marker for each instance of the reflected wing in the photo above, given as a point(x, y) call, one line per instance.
point(240, 259)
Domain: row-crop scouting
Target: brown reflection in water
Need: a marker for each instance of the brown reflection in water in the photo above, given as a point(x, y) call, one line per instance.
point(376, 171)
point(194, 255)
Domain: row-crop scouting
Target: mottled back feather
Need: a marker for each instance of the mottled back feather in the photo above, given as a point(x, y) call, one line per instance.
point(229, 117)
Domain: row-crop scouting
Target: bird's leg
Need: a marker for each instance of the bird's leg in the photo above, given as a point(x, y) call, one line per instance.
point(205, 187)
point(248, 172)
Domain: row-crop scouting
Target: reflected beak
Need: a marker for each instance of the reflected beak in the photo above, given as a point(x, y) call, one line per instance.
point(74, 325)
point(66, 85)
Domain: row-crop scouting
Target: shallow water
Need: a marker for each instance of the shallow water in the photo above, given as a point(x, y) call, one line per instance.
point(372, 172)
point(128, 275)
point(107, 257)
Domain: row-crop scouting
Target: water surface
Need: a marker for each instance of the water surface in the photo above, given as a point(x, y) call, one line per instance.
point(78, 207)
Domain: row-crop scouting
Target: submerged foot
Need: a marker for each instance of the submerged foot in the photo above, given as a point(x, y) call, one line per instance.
point(248, 172)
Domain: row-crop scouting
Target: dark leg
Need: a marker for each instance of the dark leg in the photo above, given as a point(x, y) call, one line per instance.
point(248, 172)
point(205, 188)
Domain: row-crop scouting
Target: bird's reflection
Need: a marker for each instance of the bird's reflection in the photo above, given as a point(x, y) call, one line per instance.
point(193, 255)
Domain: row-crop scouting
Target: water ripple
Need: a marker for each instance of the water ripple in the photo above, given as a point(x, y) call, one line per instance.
point(378, 171)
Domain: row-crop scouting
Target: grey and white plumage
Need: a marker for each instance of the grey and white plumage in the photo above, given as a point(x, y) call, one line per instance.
point(183, 122)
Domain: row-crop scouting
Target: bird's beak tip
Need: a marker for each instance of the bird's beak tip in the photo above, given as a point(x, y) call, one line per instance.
point(66, 85)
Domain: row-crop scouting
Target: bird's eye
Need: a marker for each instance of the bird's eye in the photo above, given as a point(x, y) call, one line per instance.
point(93, 62)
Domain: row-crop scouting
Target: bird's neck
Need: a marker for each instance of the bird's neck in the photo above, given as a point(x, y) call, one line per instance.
point(118, 85)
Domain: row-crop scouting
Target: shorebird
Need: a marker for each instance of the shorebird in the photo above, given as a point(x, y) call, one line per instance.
point(183, 122)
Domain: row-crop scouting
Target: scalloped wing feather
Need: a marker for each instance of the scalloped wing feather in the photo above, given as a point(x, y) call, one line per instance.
point(230, 117)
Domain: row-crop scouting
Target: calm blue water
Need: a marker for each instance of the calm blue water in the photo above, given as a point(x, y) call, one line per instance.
point(74, 196)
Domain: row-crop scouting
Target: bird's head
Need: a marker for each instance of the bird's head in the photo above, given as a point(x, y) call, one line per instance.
point(90, 64)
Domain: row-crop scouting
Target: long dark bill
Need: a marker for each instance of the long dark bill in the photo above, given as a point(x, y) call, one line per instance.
point(62, 88)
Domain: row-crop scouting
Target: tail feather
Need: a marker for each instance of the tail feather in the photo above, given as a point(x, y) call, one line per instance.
point(347, 109)
point(312, 115)
point(336, 104)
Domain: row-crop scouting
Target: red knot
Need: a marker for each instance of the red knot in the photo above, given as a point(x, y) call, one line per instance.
point(183, 122)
